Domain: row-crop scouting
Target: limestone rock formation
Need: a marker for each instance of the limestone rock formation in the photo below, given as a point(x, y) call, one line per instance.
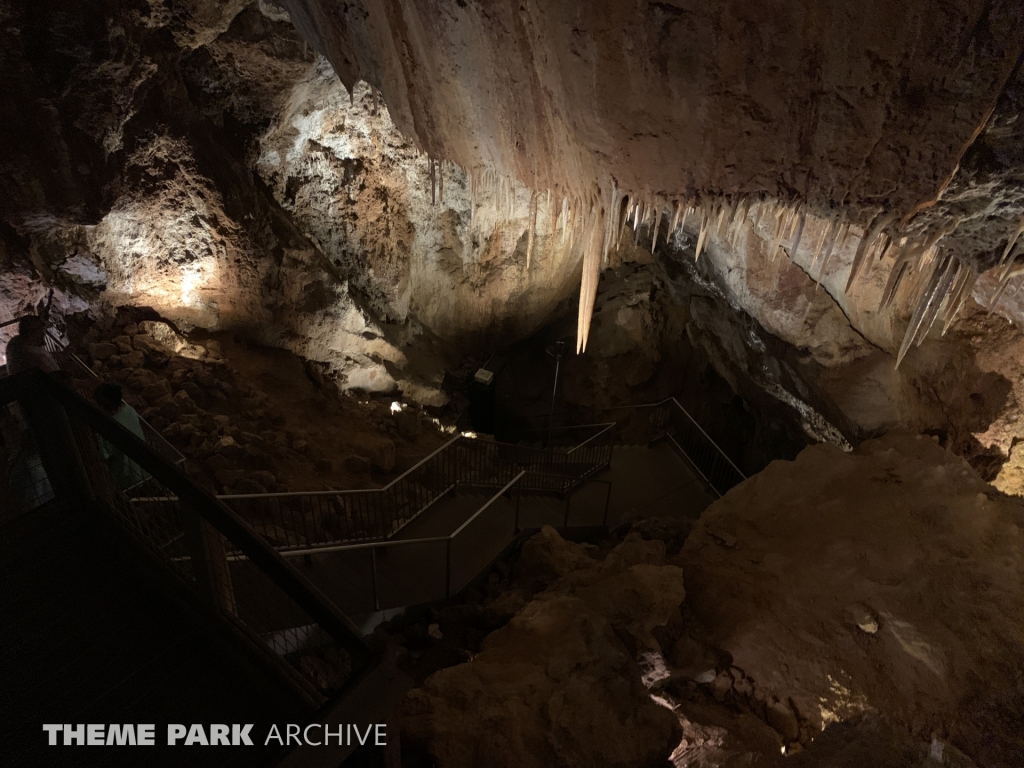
point(887, 580)
point(822, 99)
point(560, 683)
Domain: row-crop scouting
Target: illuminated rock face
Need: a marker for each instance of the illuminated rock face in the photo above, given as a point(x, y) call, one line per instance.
point(413, 238)
point(859, 105)
point(886, 579)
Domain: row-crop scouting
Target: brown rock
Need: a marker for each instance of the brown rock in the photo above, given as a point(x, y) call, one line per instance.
point(248, 485)
point(546, 556)
point(158, 390)
point(102, 350)
point(229, 449)
point(229, 477)
point(134, 359)
point(170, 410)
point(357, 465)
point(382, 454)
point(141, 378)
point(184, 402)
point(557, 685)
point(782, 718)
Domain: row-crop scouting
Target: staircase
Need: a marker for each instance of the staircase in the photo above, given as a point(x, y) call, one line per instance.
point(162, 609)
point(167, 606)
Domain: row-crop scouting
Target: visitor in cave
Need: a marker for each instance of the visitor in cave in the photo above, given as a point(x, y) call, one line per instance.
point(109, 397)
point(28, 349)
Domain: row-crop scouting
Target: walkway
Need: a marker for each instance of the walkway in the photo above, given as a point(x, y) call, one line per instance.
point(645, 482)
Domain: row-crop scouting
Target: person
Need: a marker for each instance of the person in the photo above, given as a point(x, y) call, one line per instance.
point(109, 397)
point(28, 349)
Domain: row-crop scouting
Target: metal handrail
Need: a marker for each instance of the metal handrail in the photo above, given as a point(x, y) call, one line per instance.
point(394, 482)
point(297, 521)
point(89, 428)
point(387, 544)
point(706, 435)
point(607, 427)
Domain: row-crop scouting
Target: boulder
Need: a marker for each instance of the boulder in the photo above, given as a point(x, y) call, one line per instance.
point(546, 556)
point(229, 449)
point(158, 390)
point(229, 477)
point(102, 350)
point(559, 684)
point(381, 453)
point(133, 359)
point(184, 402)
point(140, 378)
point(248, 485)
point(357, 465)
point(408, 424)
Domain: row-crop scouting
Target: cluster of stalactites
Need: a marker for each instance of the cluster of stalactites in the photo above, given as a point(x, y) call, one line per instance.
point(936, 284)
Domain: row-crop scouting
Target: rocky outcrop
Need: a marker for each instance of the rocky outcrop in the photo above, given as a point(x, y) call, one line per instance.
point(884, 580)
point(414, 238)
point(560, 683)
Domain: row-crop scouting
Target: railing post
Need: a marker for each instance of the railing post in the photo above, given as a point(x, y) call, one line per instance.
point(373, 575)
point(607, 503)
point(448, 569)
point(519, 498)
point(568, 501)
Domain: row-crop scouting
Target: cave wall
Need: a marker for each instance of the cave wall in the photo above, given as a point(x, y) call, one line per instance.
point(202, 160)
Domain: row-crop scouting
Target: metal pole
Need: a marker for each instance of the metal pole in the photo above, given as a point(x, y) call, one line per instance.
point(373, 573)
point(568, 501)
point(519, 498)
point(607, 502)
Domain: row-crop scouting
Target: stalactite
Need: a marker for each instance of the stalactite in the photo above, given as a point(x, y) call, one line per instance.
point(677, 209)
point(762, 207)
point(473, 181)
point(705, 224)
point(938, 285)
point(781, 223)
point(433, 181)
point(657, 225)
point(440, 182)
point(723, 209)
point(838, 239)
point(591, 273)
point(825, 232)
point(738, 220)
point(881, 221)
point(798, 234)
point(961, 292)
point(902, 266)
point(533, 228)
point(1011, 242)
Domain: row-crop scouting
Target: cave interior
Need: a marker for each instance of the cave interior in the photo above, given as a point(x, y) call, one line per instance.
point(627, 385)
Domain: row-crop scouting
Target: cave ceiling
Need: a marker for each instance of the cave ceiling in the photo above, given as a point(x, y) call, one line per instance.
point(834, 103)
